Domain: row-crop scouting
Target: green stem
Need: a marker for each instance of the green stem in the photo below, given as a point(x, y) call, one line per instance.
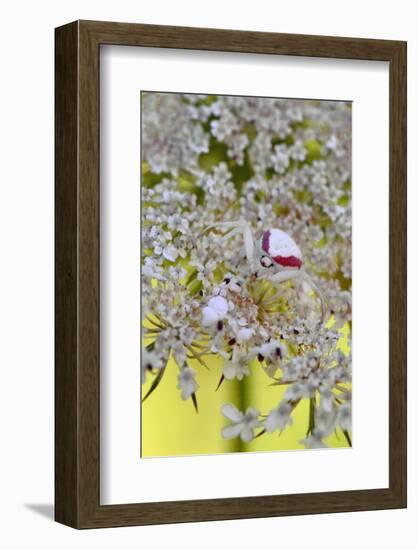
point(347, 436)
point(311, 418)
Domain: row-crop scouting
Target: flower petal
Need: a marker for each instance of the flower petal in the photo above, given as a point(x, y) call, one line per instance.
point(170, 253)
point(210, 317)
point(231, 412)
point(219, 305)
point(272, 422)
point(246, 434)
point(229, 370)
point(244, 334)
point(229, 432)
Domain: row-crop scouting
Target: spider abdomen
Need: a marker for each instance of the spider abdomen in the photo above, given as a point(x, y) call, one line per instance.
point(281, 248)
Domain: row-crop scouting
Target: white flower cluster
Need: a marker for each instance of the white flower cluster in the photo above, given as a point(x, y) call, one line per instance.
point(275, 163)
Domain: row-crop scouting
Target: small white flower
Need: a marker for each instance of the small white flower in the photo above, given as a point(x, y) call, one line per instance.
point(186, 382)
point(219, 304)
point(187, 334)
point(150, 361)
point(332, 143)
point(150, 269)
point(280, 159)
point(231, 283)
point(298, 151)
point(234, 287)
point(326, 398)
point(244, 334)
point(170, 253)
point(344, 415)
point(274, 349)
point(279, 418)
point(235, 369)
point(242, 425)
point(314, 441)
point(297, 391)
point(215, 311)
point(179, 352)
point(210, 317)
point(326, 420)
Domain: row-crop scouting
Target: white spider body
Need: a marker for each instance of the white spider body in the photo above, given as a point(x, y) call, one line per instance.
point(276, 252)
point(281, 249)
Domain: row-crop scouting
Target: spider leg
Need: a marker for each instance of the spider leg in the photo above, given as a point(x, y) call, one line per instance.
point(290, 274)
point(316, 289)
point(248, 240)
point(236, 227)
point(282, 276)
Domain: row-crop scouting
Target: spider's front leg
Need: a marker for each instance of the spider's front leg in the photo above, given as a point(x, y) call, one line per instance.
point(239, 227)
point(316, 289)
point(285, 275)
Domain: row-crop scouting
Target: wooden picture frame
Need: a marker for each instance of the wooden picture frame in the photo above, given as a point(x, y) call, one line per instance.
point(77, 382)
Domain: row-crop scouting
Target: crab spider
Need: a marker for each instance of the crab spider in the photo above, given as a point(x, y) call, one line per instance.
point(277, 251)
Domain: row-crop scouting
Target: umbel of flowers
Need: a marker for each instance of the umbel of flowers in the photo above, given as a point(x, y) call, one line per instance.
point(271, 163)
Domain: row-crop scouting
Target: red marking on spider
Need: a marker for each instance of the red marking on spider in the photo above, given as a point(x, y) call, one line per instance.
point(265, 241)
point(284, 261)
point(288, 261)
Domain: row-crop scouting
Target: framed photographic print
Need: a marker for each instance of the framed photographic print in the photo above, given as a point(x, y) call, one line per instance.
point(230, 274)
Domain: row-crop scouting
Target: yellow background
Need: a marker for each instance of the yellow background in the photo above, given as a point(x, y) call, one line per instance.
point(171, 426)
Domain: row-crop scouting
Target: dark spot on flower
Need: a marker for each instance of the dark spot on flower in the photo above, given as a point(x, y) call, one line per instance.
point(201, 293)
point(332, 311)
point(227, 280)
point(281, 337)
point(259, 218)
point(219, 325)
point(232, 342)
point(278, 353)
point(261, 357)
point(148, 366)
point(296, 331)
